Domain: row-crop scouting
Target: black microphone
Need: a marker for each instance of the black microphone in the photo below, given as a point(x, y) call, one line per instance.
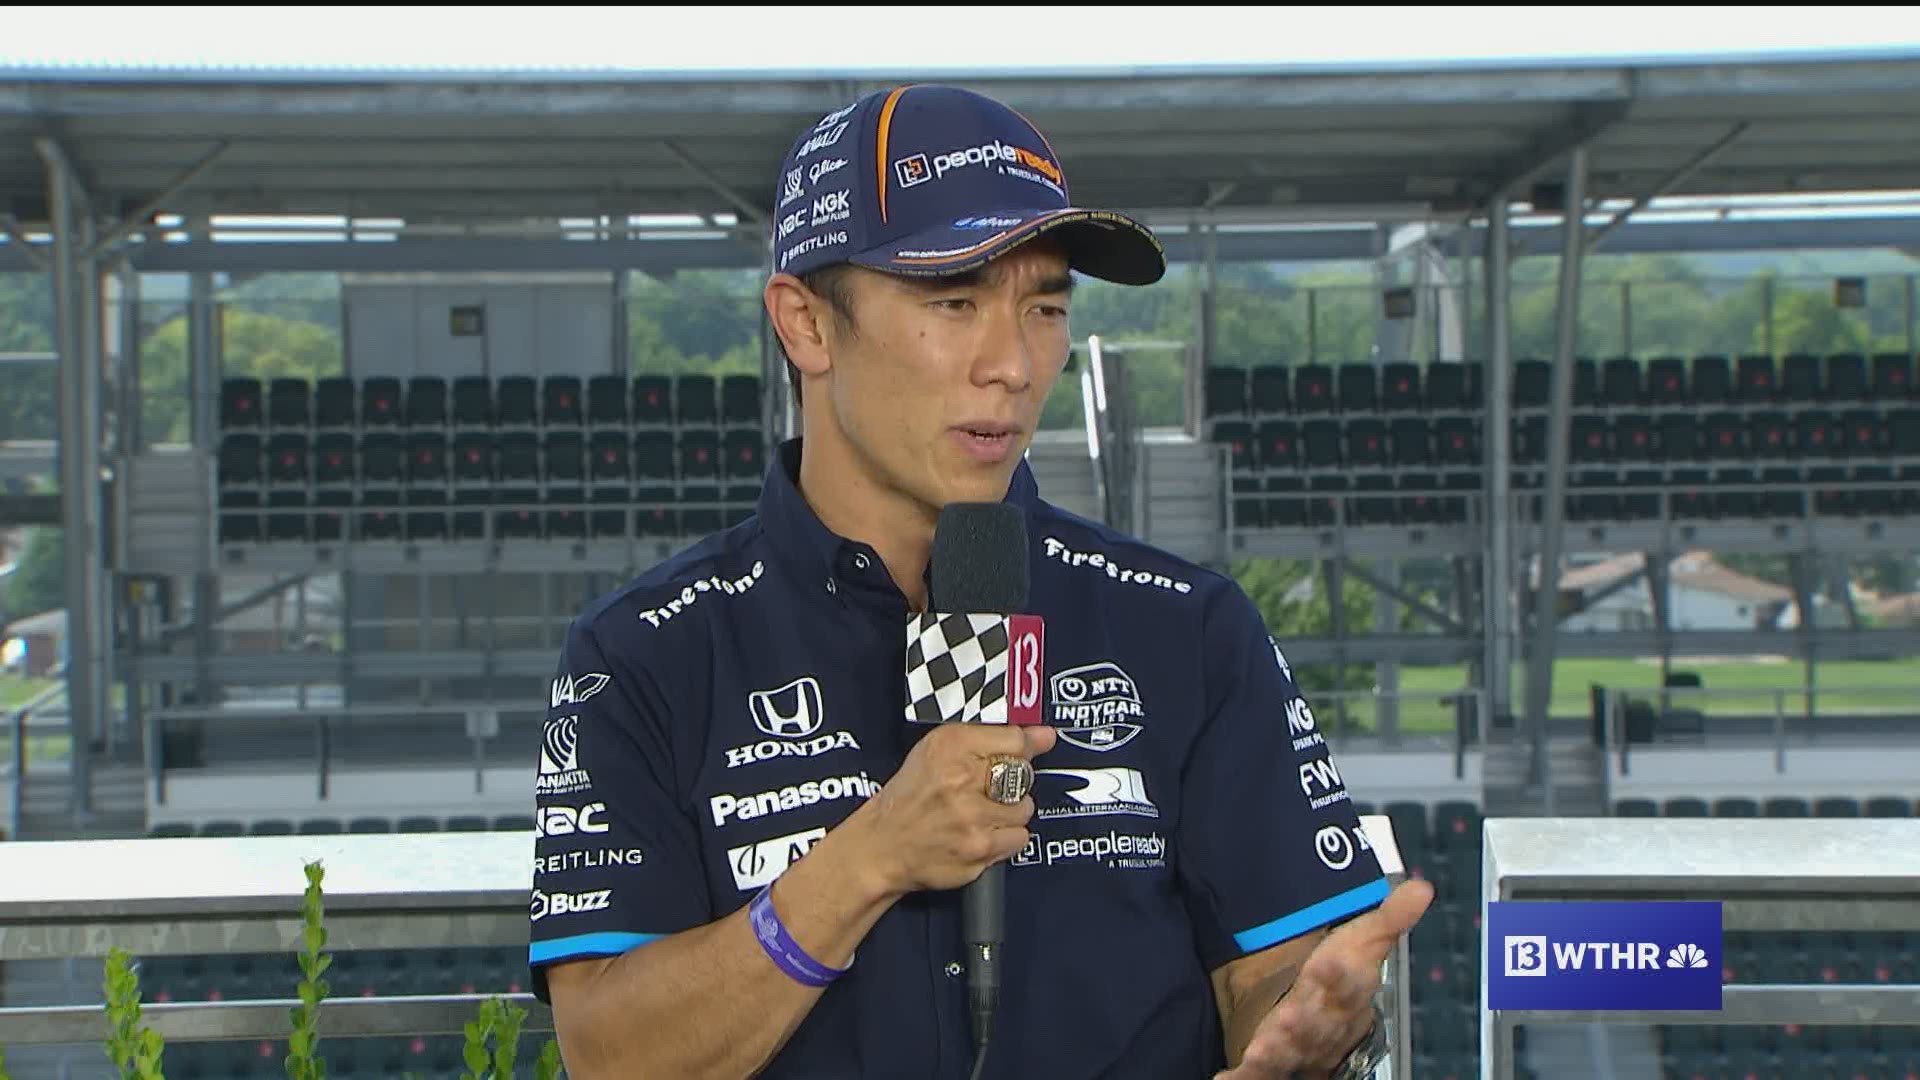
point(978, 570)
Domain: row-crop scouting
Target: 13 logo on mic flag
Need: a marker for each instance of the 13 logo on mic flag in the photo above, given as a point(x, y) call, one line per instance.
point(978, 669)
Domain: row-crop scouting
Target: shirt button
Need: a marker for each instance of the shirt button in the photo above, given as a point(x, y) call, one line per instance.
point(860, 562)
point(954, 971)
point(832, 589)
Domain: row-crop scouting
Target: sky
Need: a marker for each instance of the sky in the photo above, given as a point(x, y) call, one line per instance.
point(813, 39)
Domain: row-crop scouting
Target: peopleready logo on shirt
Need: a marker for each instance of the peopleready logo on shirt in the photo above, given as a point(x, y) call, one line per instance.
point(1603, 955)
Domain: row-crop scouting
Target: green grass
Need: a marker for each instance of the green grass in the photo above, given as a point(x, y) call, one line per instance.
point(1858, 686)
point(16, 691)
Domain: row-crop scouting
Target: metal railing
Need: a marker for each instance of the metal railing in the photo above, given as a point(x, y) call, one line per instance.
point(392, 892)
point(1768, 874)
point(20, 722)
point(1619, 704)
point(480, 723)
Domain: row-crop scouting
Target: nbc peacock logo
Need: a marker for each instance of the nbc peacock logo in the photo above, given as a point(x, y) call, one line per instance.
point(1687, 955)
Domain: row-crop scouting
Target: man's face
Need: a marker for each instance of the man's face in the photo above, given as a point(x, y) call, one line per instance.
point(938, 393)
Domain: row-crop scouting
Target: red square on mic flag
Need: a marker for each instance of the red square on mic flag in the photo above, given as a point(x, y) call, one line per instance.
point(975, 669)
point(1026, 669)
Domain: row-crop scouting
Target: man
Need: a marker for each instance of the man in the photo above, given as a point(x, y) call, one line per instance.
point(750, 864)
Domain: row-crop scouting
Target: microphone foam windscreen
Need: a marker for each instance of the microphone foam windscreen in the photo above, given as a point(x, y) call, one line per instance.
point(979, 561)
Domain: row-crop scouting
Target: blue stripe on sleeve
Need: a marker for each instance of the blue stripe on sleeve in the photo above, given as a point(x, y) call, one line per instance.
point(1326, 911)
point(606, 944)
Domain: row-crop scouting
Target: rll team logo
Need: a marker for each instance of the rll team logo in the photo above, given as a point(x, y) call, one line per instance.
point(793, 711)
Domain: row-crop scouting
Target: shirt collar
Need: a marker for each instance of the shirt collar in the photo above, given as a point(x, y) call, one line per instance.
point(799, 538)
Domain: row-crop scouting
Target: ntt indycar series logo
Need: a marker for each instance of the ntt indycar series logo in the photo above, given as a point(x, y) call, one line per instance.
point(1619, 955)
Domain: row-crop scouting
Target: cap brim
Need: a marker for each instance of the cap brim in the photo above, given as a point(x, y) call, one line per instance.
point(1099, 243)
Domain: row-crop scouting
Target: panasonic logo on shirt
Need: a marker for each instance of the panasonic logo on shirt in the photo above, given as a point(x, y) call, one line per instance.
point(748, 807)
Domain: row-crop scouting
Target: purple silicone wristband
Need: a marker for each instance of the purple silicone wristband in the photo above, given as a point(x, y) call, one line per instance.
point(785, 952)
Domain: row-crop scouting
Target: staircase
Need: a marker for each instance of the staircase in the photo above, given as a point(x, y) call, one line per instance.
point(1578, 769)
point(119, 807)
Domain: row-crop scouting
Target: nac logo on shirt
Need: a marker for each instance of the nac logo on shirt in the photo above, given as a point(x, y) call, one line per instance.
point(568, 820)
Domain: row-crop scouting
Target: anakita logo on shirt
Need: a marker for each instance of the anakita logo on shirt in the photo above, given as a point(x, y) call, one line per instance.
point(560, 771)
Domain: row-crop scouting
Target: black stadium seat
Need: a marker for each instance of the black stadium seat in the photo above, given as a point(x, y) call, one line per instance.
point(1755, 380)
point(516, 401)
point(1400, 387)
point(333, 403)
point(1272, 390)
point(1447, 388)
point(560, 404)
point(1313, 388)
point(740, 401)
point(695, 400)
point(426, 401)
point(1892, 376)
point(607, 400)
point(241, 403)
point(380, 402)
point(1359, 388)
point(1532, 384)
point(1666, 381)
point(1800, 378)
point(1712, 381)
point(1620, 383)
point(1846, 377)
point(472, 401)
point(289, 403)
point(652, 400)
point(1226, 392)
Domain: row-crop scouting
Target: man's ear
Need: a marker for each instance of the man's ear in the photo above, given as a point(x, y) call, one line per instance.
point(800, 319)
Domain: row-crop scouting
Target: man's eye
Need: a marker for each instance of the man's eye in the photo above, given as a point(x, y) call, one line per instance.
point(1053, 312)
point(957, 304)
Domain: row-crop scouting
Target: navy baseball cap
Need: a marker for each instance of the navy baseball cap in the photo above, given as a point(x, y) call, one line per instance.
point(929, 180)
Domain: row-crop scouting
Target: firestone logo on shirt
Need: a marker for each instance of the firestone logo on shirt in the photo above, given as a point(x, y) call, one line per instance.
point(691, 594)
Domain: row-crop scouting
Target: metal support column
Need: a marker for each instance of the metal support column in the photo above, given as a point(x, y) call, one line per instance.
point(1804, 568)
point(1386, 707)
point(1335, 581)
point(76, 301)
point(1660, 593)
point(1497, 583)
point(1546, 623)
point(203, 393)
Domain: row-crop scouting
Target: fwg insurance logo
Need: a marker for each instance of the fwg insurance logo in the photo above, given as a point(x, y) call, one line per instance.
point(1603, 956)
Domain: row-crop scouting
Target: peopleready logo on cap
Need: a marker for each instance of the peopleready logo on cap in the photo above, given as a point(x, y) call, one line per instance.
point(1604, 956)
point(929, 180)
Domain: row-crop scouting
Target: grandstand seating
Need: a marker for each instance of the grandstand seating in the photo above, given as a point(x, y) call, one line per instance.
point(1716, 437)
point(389, 459)
point(1707, 1051)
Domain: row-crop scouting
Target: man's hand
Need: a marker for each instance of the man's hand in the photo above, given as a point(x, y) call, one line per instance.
point(1328, 1010)
point(933, 826)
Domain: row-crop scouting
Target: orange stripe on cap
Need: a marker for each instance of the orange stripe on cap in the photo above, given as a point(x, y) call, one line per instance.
point(880, 145)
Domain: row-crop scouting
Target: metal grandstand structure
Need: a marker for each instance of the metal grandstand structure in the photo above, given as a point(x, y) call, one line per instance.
point(105, 176)
point(109, 176)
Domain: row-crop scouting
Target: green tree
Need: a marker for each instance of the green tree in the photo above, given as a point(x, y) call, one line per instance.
point(262, 346)
point(39, 583)
point(27, 391)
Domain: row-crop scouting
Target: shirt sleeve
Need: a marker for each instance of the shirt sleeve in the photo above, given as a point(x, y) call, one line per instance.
point(1270, 845)
point(616, 853)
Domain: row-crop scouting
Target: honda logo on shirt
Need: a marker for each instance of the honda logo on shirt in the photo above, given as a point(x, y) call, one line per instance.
point(794, 711)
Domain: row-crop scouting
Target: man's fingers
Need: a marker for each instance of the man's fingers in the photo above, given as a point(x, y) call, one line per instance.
point(1040, 738)
point(1384, 925)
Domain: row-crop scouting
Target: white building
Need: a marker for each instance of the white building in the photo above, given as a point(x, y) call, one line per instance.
point(1701, 595)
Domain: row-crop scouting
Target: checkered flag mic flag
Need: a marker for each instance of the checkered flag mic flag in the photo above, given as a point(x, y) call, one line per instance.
point(976, 669)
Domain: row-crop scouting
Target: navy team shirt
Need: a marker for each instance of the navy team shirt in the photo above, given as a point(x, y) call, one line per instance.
point(716, 716)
